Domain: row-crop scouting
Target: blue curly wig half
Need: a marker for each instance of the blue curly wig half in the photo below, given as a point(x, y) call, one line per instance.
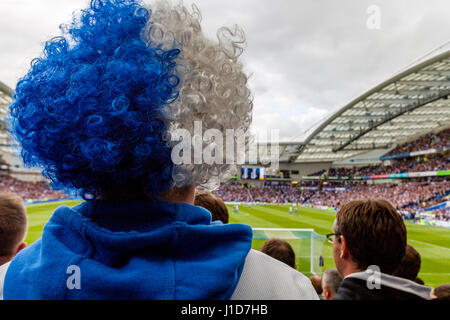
point(89, 111)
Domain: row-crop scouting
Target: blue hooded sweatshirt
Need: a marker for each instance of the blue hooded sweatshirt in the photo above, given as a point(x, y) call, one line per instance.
point(130, 250)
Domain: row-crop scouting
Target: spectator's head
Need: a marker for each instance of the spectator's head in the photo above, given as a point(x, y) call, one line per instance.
point(331, 280)
point(280, 250)
point(111, 105)
point(213, 204)
point(410, 265)
point(13, 226)
point(443, 291)
point(368, 232)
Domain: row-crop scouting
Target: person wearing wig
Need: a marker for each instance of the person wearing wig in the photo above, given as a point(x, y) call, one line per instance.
point(99, 113)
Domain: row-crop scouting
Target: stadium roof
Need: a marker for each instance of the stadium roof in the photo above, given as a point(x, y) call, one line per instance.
point(411, 103)
point(5, 100)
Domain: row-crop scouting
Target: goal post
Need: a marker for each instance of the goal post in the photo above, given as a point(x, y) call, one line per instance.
point(307, 246)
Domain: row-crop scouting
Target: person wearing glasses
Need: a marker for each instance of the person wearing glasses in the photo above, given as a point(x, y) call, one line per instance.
point(369, 242)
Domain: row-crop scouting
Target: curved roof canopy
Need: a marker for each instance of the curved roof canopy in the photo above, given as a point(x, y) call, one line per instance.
point(409, 104)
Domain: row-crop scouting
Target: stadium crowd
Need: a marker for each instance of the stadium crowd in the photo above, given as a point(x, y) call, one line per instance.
point(425, 142)
point(275, 194)
point(406, 197)
point(415, 164)
point(29, 190)
point(442, 214)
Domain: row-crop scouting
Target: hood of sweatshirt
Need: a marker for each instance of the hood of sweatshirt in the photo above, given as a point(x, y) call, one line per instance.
point(131, 250)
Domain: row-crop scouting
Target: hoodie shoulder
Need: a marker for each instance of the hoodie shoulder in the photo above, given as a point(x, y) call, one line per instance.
point(265, 278)
point(40, 270)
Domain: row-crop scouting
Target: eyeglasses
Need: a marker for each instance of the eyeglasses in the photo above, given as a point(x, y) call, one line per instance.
point(331, 236)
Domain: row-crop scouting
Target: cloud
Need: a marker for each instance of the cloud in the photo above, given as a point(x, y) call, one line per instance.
point(307, 58)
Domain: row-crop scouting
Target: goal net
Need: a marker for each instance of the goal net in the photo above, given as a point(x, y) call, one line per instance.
point(307, 245)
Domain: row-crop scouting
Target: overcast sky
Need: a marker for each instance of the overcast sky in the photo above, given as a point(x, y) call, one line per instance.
point(308, 58)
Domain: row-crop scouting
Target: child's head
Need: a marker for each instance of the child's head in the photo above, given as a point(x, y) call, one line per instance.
point(13, 226)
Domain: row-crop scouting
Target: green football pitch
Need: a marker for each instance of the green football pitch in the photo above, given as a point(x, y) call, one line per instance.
point(433, 243)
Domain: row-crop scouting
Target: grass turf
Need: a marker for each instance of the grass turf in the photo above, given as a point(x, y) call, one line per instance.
point(432, 243)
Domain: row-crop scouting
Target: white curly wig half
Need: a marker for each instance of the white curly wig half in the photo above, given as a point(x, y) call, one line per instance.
point(213, 89)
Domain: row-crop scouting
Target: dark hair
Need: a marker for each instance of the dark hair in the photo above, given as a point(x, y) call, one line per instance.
point(375, 233)
point(419, 281)
point(213, 204)
point(410, 265)
point(443, 291)
point(13, 222)
point(280, 250)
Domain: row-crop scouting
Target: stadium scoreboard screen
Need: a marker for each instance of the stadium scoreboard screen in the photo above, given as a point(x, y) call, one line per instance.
point(252, 173)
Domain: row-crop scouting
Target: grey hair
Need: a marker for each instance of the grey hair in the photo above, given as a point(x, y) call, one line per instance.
point(332, 279)
point(213, 87)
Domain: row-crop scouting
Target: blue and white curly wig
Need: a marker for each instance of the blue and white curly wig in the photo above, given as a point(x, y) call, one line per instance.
point(97, 109)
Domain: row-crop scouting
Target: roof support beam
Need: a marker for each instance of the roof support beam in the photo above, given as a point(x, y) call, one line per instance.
point(412, 92)
point(426, 83)
point(437, 115)
point(387, 101)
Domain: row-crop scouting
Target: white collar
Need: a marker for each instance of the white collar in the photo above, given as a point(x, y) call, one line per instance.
point(3, 269)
